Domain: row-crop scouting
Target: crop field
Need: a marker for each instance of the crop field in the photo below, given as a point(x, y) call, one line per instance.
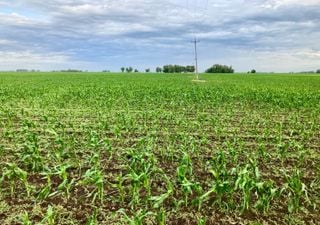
point(102, 148)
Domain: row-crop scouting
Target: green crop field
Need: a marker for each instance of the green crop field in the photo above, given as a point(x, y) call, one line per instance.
point(94, 148)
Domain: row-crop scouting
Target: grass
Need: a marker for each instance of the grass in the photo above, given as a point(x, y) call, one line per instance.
point(94, 148)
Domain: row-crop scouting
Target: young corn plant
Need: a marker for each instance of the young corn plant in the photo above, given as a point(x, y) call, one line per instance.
point(161, 217)
point(282, 150)
point(201, 221)
point(94, 160)
point(232, 151)
point(93, 219)
point(46, 191)
point(31, 155)
point(297, 191)
point(12, 173)
point(246, 183)
point(137, 181)
point(60, 152)
point(264, 155)
point(185, 178)
point(94, 176)
point(184, 182)
point(158, 200)
point(137, 218)
point(120, 186)
point(50, 217)
point(94, 140)
point(265, 192)
point(66, 183)
point(25, 218)
point(140, 169)
point(221, 186)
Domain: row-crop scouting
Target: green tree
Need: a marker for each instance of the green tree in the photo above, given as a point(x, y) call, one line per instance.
point(158, 69)
point(178, 69)
point(129, 69)
point(122, 69)
point(217, 68)
point(253, 71)
point(167, 69)
point(148, 70)
point(190, 69)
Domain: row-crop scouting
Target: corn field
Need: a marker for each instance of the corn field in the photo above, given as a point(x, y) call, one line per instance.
point(93, 148)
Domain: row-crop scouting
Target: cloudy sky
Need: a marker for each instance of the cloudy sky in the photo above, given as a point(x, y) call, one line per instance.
point(268, 35)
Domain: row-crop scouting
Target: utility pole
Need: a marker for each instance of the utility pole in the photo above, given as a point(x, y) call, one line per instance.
point(196, 57)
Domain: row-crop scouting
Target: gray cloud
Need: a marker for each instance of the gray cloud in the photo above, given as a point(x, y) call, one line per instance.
point(97, 34)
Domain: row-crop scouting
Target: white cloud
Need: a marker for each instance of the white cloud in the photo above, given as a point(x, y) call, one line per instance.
point(29, 60)
point(93, 32)
point(6, 42)
point(307, 53)
point(278, 3)
point(14, 19)
point(269, 61)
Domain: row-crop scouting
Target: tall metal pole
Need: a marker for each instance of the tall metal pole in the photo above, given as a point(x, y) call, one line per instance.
point(196, 57)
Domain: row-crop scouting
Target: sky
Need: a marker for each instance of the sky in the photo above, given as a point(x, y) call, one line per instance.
point(96, 35)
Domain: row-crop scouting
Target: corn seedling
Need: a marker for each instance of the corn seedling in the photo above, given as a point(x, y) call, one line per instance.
point(94, 177)
point(25, 219)
point(50, 217)
point(137, 218)
point(297, 191)
point(93, 218)
point(12, 173)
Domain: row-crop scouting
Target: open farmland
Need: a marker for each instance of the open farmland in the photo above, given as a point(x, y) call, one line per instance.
point(93, 148)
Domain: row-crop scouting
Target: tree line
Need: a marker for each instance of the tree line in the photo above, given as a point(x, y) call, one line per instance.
point(164, 69)
point(178, 69)
point(217, 68)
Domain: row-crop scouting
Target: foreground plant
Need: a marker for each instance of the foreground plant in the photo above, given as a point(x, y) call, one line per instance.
point(297, 191)
point(94, 176)
point(25, 219)
point(66, 183)
point(93, 218)
point(50, 217)
point(137, 218)
point(266, 191)
point(12, 173)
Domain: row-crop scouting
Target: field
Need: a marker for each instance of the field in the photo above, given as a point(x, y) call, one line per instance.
point(94, 148)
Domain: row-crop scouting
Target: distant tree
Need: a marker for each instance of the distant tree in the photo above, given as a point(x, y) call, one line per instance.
point(71, 70)
point(148, 70)
point(178, 69)
point(158, 69)
point(129, 69)
point(318, 71)
point(122, 69)
point(190, 69)
point(311, 71)
point(217, 68)
point(136, 70)
point(253, 71)
point(167, 69)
